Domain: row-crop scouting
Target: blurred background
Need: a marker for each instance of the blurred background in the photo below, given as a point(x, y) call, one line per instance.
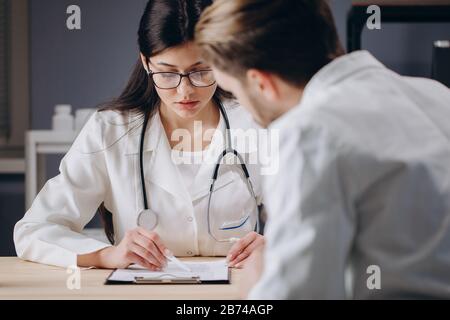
point(43, 64)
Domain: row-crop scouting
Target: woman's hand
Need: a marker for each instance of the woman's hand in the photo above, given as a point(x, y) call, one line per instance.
point(243, 248)
point(138, 246)
point(251, 272)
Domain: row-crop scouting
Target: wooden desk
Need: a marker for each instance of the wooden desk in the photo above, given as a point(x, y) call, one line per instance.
point(26, 280)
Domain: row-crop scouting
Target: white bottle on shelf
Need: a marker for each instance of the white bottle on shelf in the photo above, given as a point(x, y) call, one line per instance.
point(82, 116)
point(62, 118)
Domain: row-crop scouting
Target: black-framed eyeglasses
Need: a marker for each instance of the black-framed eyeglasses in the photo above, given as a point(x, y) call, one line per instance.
point(171, 80)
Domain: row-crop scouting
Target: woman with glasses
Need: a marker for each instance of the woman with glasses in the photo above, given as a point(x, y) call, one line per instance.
point(148, 163)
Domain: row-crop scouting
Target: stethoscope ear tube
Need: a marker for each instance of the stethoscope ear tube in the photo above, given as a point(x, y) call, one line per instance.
point(146, 218)
point(141, 159)
point(241, 160)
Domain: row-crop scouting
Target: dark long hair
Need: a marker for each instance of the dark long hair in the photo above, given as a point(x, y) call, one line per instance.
point(164, 24)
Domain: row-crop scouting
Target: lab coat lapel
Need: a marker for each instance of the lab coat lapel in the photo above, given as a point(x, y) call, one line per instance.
point(152, 135)
point(158, 165)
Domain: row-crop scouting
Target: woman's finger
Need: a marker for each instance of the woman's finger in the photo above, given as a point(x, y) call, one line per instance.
point(150, 246)
point(145, 254)
point(134, 258)
point(239, 246)
point(155, 238)
point(238, 262)
point(247, 251)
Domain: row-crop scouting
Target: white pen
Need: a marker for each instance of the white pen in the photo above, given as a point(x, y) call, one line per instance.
point(169, 255)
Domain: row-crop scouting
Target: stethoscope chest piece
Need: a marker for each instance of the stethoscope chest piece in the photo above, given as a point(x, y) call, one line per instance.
point(147, 219)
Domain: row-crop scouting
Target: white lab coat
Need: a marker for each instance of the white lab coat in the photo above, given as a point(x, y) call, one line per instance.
point(102, 166)
point(363, 186)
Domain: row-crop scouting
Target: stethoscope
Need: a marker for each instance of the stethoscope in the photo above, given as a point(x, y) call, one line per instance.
point(148, 219)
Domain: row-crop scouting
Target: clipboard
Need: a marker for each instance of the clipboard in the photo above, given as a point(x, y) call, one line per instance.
point(177, 280)
point(221, 275)
point(174, 280)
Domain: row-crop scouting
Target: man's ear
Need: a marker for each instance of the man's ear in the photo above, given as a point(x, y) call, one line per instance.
point(144, 62)
point(263, 83)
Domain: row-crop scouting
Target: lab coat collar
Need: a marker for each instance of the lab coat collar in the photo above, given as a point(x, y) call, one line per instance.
point(158, 165)
point(152, 135)
point(332, 74)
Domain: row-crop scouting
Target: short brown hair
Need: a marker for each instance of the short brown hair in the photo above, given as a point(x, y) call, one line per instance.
point(291, 38)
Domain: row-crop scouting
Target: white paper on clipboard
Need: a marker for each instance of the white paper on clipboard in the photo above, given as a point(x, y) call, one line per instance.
point(209, 271)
